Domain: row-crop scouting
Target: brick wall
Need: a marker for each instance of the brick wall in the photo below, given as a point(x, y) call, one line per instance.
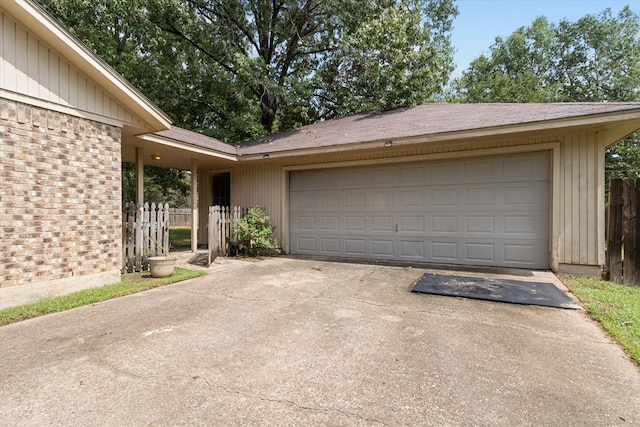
point(60, 197)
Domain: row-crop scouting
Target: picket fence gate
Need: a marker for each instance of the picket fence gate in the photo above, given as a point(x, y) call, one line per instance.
point(145, 233)
point(623, 231)
point(220, 229)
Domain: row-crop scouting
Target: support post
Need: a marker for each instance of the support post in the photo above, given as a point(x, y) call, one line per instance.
point(195, 218)
point(139, 177)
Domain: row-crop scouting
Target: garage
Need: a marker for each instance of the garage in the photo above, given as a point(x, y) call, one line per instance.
point(486, 211)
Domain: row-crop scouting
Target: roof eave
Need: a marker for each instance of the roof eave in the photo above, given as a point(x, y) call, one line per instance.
point(57, 37)
point(563, 123)
point(188, 147)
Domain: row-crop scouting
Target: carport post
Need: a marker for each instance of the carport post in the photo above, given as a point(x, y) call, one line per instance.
point(194, 205)
point(139, 177)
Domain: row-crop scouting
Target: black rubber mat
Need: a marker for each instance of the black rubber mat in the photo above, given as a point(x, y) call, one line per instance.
point(501, 290)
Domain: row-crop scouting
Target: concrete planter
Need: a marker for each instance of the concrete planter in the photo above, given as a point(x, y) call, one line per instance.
point(161, 266)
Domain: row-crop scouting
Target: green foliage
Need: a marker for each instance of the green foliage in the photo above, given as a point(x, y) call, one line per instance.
point(623, 158)
point(399, 54)
point(131, 283)
point(596, 58)
point(239, 69)
point(254, 232)
point(615, 306)
point(161, 185)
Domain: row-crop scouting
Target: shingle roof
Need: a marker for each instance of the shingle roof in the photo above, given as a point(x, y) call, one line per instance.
point(427, 119)
point(198, 140)
point(423, 120)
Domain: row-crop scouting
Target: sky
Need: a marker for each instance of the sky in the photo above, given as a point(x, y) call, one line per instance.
point(479, 22)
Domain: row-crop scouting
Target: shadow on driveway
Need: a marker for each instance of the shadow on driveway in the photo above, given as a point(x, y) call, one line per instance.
point(302, 342)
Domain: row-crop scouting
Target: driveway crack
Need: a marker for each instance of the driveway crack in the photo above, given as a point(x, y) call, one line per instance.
point(288, 402)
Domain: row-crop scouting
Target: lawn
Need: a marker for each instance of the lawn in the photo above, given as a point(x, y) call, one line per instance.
point(179, 236)
point(131, 283)
point(615, 306)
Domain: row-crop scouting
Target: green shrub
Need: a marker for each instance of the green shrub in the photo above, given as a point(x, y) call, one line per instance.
point(254, 232)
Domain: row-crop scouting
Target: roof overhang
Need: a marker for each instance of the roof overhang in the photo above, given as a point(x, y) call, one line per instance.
point(628, 121)
point(187, 147)
point(57, 37)
point(177, 147)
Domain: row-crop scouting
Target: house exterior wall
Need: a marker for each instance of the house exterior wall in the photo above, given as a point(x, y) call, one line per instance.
point(577, 193)
point(32, 72)
point(60, 207)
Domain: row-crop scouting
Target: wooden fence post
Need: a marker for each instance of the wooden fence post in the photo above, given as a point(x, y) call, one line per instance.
point(614, 226)
point(637, 278)
point(211, 235)
point(630, 231)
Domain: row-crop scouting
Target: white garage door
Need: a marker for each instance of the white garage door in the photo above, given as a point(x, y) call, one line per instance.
point(479, 211)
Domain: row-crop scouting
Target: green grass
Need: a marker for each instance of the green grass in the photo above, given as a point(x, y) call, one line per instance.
point(179, 236)
point(615, 306)
point(131, 283)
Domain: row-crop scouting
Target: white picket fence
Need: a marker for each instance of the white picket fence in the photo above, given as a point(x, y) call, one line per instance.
point(145, 233)
point(220, 229)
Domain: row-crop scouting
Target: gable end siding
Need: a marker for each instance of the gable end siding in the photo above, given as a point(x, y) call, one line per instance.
point(32, 72)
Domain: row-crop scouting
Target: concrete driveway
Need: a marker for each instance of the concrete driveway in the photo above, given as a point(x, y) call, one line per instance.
point(299, 342)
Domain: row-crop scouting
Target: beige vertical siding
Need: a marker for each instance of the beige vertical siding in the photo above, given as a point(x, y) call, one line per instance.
point(260, 184)
point(581, 206)
point(29, 68)
point(576, 200)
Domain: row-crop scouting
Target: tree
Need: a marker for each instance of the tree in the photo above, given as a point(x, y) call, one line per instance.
point(238, 69)
point(596, 58)
point(161, 185)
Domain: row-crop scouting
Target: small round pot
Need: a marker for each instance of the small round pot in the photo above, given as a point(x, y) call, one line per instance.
point(161, 266)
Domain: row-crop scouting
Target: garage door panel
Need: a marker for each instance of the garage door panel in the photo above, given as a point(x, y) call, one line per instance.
point(329, 246)
point(329, 200)
point(382, 223)
point(444, 251)
point(525, 225)
point(444, 174)
point(329, 223)
point(444, 224)
point(306, 223)
point(304, 245)
point(355, 247)
point(381, 200)
point(520, 253)
point(355, 200)
point(482, 170)
point(412, 199)
point(411, 224)
point(302, 201)
point(480, 253)
point(480, 224)
point(413, 175)
point(525, 196)
point(382, 248)
point(481, 211)
point(412, 249)
point(480, 196)
point(355, 223)
point(444, 198)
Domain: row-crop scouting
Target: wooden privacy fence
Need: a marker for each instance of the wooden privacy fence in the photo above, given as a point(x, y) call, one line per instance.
point(180, 217)
point(220, 229)
point(145, 233)
point(623, 231)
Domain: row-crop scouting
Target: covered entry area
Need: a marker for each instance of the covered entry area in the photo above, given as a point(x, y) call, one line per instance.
point(488, 211)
